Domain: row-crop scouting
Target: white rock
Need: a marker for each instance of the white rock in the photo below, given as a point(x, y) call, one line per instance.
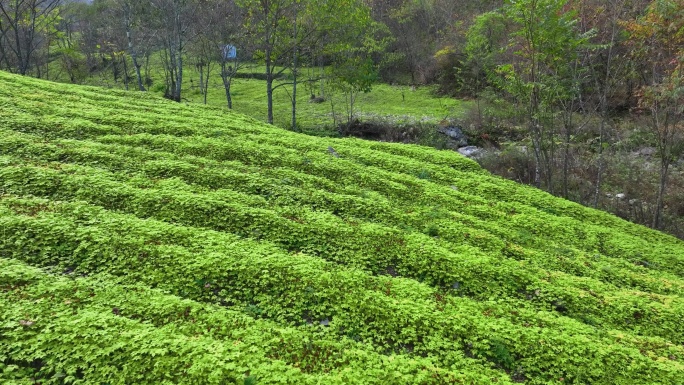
point(471, 151)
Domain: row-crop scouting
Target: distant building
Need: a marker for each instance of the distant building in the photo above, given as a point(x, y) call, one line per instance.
point(229, 52)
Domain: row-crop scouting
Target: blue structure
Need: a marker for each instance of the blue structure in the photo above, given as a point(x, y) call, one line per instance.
point(229, 52)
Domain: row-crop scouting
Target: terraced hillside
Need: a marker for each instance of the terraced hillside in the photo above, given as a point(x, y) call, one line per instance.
point(149, 242)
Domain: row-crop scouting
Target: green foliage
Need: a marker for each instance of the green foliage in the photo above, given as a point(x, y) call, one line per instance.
point(485, 43)
point(193, 245)
point(545, 44)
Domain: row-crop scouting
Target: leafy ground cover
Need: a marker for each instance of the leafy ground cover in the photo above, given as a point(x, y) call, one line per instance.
point(146, 241)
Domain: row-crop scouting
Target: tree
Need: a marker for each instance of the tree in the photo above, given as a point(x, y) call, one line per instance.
point(218, 39)
point(608, 68)
point(657, 39)
point(542, 45)
point(230, 36)
point(285, 32)
point(68, 42)
point(269, 23)
point(173, 21)
point(485, 45)
point(353, 75)
point(130, 14)
point(351, 42)
point(24, 26)
point(333, 28)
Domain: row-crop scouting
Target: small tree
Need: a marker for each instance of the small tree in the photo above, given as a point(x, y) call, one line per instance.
point(269, 24)
point(354, 43)
point(543, 44)
point(353, 76)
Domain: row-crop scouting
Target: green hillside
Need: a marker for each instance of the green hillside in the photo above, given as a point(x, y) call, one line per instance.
point(149, 242)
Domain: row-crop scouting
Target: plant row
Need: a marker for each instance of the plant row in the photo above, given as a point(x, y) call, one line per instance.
point(371, 247)
point(213, 126)
point(393, 314)
point(126, 110)
point(132, 334)
point(279, 186)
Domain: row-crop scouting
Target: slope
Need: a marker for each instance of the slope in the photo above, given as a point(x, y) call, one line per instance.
point(145, 241)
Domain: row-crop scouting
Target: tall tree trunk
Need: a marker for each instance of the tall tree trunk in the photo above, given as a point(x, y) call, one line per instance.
point(605, 89)
point(131, 48)
point(227, 80)
point(322, 75)
point(657, 217)
point(537, 134)
point(179, 78)
point(599, 171)
point(138, 76)
point(550, 159)
point(294, 75)
point(3, 54)
point(205, 85)
point(178, 32)
point(269, 86)
point(294, 100)
point(200, 71)
point(537, 161)
point(125, 71)
point(566, 152)
point(268, 51)
point(19, 50)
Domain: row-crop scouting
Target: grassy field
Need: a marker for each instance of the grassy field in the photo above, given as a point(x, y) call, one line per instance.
point(151, 242)
point(392, 103)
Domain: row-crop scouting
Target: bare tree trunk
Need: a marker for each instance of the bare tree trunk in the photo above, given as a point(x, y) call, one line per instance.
point(138, 76)
point(20, 52)
point(322, 75)
point(131, 49)
point(599, 171)
point(665, 128)
point(4, 58)
point(566, 152)
point(603, 106)
point(537, 161)
point(227, 77)
point(536, 131)
point(268, 51)
point(294, 98)
point(200, 70)
point(550, 159)
point(179, 75)
point(294, 74)
point(657, 217)
point(174, 42)
point(269, 86)
point(115, 67)
point(125, 70)
point(332, 110)
point(206, 83)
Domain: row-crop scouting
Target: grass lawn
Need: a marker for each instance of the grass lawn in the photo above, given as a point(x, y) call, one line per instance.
point(385, 102)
